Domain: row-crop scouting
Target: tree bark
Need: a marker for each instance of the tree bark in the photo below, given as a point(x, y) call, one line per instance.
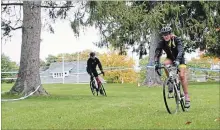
point(29, 77)
point(152, 78)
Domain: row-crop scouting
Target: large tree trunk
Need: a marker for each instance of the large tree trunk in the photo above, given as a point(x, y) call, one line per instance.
point(29, 77)
point(152, 78)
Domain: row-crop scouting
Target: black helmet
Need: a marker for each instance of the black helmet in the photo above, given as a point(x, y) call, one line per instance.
point(166, 30)
point(92, 54)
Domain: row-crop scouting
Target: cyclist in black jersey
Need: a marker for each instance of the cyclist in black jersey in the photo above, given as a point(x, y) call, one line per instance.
point(173, 47)
point(92, 62)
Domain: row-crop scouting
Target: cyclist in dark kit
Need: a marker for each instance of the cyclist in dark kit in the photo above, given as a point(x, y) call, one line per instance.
point(173, 47)
point(92, 62)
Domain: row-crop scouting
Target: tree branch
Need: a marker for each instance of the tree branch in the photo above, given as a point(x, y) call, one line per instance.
point(42, 6)
point(12, 28)
point(16, 28)
point(7, 4)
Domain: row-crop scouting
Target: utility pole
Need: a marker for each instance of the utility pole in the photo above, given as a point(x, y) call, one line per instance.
point(78, 68)
point(63, 67)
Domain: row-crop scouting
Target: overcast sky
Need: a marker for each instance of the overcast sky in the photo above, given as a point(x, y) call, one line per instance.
point(62, 41)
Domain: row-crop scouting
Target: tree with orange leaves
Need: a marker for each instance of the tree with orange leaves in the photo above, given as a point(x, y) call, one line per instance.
point(119, 68)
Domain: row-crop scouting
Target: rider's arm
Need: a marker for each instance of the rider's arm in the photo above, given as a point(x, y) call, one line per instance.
point(180, 49)
point(158, 51)
point(88, 68)
point(99, 64)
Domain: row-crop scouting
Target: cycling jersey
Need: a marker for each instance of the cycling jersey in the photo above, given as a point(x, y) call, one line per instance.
point(91, 66)
point(173, 48)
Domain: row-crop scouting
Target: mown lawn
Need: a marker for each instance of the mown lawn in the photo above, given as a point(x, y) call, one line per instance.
point(125, 107)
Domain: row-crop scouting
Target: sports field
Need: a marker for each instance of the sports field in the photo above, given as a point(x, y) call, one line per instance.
point(72, 106)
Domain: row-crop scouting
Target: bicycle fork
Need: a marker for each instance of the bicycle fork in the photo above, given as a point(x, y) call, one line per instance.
point(177, 96)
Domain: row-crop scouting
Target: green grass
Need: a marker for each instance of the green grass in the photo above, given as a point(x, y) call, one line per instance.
point(126, 107)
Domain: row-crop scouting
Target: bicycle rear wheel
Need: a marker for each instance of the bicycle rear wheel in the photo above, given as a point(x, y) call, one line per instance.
point(170, 103)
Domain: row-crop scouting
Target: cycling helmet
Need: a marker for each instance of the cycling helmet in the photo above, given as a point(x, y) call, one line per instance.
point(166, 30)
point(92, 54)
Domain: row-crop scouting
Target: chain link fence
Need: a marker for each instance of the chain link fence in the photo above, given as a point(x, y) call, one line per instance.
point(68, 72)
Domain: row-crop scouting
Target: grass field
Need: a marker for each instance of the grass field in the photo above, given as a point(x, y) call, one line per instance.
point(125, 107)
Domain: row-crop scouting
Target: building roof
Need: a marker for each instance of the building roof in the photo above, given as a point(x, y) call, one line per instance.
point(68, 66)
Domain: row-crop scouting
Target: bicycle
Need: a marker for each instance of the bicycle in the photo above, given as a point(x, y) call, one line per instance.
point(94, 86)
point(172, 83)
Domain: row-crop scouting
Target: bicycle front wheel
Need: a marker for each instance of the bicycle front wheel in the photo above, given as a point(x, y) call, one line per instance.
point(92, 87)
point(169, 96)
point(103, 90)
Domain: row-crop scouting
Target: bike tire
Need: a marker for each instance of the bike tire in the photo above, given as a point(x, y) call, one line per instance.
point(168, 106)
point(92, 88)
point(103, 89)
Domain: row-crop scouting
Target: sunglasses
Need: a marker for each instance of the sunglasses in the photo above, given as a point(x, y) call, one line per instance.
point(166, 34)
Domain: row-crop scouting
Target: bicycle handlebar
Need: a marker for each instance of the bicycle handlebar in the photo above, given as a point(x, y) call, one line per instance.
point(164, 66)
point(158, 72)
point(98, 74)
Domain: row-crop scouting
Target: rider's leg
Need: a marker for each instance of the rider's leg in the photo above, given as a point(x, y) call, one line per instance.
point(170, 87)
point(95, 74)
point(184, 81)
point(98, 81)
point(167, 62)
point(96, 77)
point(99, 84)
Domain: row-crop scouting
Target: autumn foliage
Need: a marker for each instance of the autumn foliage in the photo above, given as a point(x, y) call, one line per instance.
point(203, 62)
point(118, 68)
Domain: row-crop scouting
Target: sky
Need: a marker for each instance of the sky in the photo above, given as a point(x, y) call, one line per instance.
point(62, 41)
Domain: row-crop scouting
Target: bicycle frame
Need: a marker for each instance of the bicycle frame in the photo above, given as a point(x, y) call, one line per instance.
point(173, 77)
point(173, 72)
point(94, 84)
point(93, 78)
